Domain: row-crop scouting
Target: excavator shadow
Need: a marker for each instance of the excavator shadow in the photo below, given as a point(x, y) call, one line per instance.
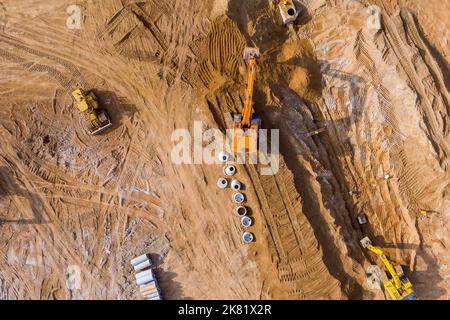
point(9, 188)
point(301, 114)
point(171, 289)
point(118, 108)
point(422, 280)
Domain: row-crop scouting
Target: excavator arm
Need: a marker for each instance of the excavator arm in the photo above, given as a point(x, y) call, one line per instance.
point(246, 124)
point(388, 265)
point(248, 105)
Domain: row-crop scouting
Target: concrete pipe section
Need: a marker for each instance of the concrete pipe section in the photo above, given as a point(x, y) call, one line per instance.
point(236, 185)
point(246, 222)
point(230, 170)
point(138, 260)
point(222, 183)
point(223, 157)
point(238, 197)
point(143, 265)
point(288, 12)
point(248, 237)
point(241, 211)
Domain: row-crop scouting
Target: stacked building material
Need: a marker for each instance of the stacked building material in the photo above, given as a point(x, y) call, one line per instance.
point(145, 278)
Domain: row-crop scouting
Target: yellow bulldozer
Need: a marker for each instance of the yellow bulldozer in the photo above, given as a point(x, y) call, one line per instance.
point(87, 103)
point(398, 285)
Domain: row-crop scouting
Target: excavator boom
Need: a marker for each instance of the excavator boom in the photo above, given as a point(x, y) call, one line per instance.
point(248, 105)
point(246, 124)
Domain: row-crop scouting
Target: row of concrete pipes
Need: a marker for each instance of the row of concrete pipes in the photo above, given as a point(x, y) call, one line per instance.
point(145, 278)
point(238, 197)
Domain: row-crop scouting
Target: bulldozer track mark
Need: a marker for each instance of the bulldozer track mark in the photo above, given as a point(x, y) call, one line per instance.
point(296, 259)
point(52, 234)
point(113, 22)
point(67, 83)
point(127, 37)
point(104, 70)
point(431, 109)
point(223, 46)
point(75, 72)
point(148, 22)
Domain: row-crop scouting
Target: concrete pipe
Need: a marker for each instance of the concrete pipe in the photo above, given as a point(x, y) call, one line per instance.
point(288, 12)
point(139, 259)
point(143, 265)
point(145, 280)
point(236, 185)
point(143, 273)
point(147, 287)
point(241, 211)
point(246, 221)
point(248, 237)
point(148, 291)
point(238, 197)
point(223, 156)
point(230, 170)
point(154, 295)
point(222, 183)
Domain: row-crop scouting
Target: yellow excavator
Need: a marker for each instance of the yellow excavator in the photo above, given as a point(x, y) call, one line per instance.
point(87, 103)
point(398, 286)
point(247, 123)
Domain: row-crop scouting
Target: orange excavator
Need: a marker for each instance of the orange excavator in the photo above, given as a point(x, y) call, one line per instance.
point(247, 123)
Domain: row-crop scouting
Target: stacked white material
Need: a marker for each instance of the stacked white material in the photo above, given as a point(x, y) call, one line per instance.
point(145, 278)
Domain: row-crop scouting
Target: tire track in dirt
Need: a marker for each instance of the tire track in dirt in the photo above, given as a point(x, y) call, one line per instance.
point(292, 246)
point(52, 232)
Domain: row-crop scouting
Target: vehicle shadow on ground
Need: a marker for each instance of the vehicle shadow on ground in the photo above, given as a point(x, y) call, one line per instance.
point(9, 187)
point(170, 289)
point(429, 278)
point(422, 280)
point(119, 109)
point(270, 37)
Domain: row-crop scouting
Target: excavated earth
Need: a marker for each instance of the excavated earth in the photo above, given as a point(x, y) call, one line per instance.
point(372, 76)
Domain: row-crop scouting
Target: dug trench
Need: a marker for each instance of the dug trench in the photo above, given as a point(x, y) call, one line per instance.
point(288, 98)
point(304, 214)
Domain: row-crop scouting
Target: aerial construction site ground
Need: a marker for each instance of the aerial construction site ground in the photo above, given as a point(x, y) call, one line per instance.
point(373, 73)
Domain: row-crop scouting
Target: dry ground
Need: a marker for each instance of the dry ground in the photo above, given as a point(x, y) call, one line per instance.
point(69, 199)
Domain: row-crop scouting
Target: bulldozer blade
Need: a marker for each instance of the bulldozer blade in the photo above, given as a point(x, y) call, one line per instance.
point(250, 52)
point(365, 242)
point(101, 129)
point(103, 116)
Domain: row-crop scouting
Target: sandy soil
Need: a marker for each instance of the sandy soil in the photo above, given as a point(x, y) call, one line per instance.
point(71, 200)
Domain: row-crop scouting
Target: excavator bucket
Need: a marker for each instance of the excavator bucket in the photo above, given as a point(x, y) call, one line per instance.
point(250, 52)
point(365, 242)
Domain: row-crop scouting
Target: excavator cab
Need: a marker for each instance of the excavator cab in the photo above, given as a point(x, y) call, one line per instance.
point(87, 103)
point(246, 125)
